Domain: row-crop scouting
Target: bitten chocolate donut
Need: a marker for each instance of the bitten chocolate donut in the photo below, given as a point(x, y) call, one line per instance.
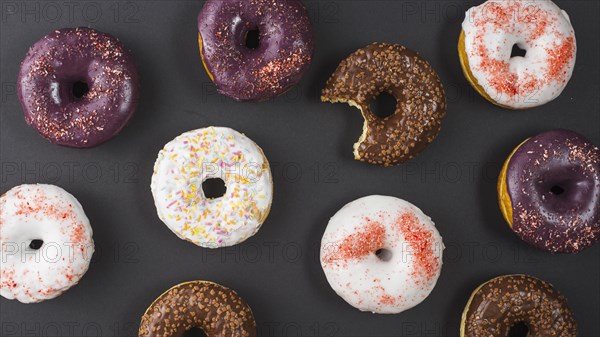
point(247, 72)
point(78, 87)
point(421, 101)
point(549, 191)
point(218, 311)
point(507, 301)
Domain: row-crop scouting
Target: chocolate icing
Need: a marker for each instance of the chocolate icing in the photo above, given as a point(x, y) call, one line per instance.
point(283, 55)
point(505, 301)
point(553, 181)
point(217, 310)
point(67, 56)
point(421, 101)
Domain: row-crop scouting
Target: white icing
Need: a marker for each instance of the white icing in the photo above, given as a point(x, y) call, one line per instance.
point(50, 214)
point(538, 26)
point(368, 282)
point(215, 152)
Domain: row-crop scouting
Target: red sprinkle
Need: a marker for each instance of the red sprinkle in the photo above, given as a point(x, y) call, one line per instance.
point(560, 56)
point(387, 300)
point(359, 244)
point(77, 233)
point(421, 242)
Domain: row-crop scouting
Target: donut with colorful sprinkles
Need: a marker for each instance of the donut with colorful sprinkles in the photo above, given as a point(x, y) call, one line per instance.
point(194, 157)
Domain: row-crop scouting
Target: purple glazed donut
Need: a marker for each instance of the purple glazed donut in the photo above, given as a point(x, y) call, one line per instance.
point(549, 191)
point(78, 87)
point(273, 65)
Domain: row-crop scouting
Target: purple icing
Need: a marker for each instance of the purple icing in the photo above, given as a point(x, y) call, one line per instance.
point(553, 180)
point(78, 87)
point(285, 47)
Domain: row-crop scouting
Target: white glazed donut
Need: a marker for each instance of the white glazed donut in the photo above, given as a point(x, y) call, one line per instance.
point(381, 254)
point(46, 242)
point(214, 152)
point(539, 27)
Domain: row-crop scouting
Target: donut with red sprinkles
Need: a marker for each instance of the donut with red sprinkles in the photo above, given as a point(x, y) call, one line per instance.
point(46, 242)
point(538, 74)
point(381, 254)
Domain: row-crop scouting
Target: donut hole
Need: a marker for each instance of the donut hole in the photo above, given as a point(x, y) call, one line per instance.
point(384, 255)
point(214, 188)
point(80, 89)
point(194, 332)
point(517, 51)
point(557, 190)
point(519, 330)
point(384, 105)
point(252, 40)
point(36, 244)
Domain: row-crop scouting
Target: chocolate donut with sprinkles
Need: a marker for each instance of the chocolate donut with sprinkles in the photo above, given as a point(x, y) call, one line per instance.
point(511, 303)
point(381, 254)
point(213, 153)
point(78, 87)
point(216, 310)
point(549, 191)
point(254, 50)
point(420, 96)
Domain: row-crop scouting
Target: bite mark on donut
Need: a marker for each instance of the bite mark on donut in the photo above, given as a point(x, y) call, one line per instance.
point(365, 128)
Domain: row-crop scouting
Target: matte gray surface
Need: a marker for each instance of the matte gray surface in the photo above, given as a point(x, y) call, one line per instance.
point(309, 145)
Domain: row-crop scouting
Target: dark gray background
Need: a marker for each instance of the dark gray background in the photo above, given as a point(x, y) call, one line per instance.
point(309, 145)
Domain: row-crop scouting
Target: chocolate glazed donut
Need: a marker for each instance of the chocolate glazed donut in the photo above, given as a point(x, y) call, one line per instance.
point(217, 310)
point(78, 87)
point(255, 73)
point(549, 191)
point(511, 301)
point(420, 107)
